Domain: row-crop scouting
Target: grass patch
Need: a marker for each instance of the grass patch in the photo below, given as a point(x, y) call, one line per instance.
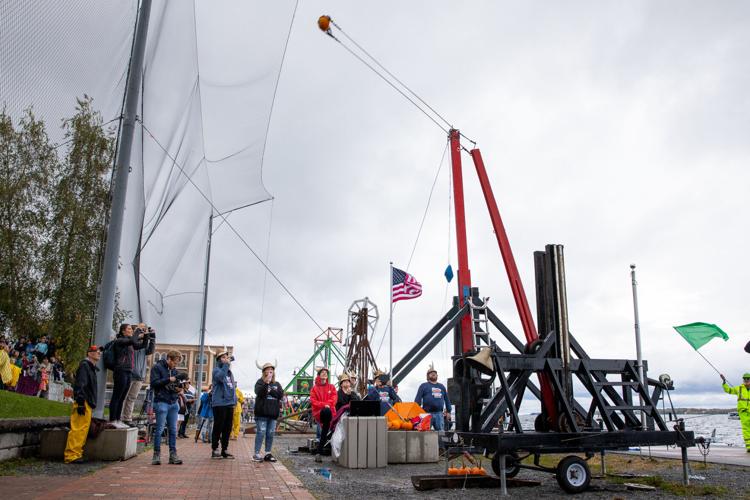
point(678, 489)
point(14, 405)
point(10, 467)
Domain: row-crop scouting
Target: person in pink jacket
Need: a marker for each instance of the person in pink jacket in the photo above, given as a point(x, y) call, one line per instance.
point(323, 399)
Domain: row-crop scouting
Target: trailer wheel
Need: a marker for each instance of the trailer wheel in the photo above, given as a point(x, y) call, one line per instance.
point(573, 474)
point(512, 465)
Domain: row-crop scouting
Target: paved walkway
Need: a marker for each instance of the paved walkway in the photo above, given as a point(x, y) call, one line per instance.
point(729, 455)
point(198, 477)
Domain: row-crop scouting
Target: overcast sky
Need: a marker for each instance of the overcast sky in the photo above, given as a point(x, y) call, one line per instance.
point(617, 129)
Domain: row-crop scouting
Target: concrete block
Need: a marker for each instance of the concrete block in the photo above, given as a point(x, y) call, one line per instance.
point(396, 447)
point(361, 442)
point(382, 451)
point(421, 447)
point(111, 444)
point(372, 442)
point(11, 440)
point(413, 447)
point(348, 457)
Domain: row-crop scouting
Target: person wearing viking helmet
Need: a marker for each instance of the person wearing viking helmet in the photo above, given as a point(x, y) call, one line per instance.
point(269, 395)
point(381, 391)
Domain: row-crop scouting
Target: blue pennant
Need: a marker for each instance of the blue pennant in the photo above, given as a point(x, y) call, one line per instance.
point(448, 273)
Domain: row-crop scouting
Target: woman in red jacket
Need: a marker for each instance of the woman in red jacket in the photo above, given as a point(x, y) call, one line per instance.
point(323, 399)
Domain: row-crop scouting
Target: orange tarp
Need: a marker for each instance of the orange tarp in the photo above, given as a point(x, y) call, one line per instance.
point(404, 410)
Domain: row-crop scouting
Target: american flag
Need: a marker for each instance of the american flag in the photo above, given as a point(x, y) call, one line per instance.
point(404, 286)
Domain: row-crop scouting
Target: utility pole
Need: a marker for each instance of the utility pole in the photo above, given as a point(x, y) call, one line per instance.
point(639, 357)
point(106, 304)
point(202, 346)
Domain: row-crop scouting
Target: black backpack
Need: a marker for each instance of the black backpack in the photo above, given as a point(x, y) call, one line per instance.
point(108, 356)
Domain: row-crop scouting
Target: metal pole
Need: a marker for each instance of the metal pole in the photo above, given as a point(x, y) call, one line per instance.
point(464, 274)
point(390, 323)
point(639, 357)
point(202, 343)
point(106, 304)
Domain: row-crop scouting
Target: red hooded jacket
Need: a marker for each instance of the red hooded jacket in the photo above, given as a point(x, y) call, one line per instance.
point(322, 395)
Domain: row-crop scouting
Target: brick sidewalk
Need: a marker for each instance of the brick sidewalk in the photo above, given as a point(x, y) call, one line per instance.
point(198, 477)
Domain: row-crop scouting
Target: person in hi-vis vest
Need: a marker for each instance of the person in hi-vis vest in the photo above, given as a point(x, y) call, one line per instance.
point(742, 392)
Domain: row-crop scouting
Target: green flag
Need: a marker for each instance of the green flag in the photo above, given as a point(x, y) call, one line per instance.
point(698, 334)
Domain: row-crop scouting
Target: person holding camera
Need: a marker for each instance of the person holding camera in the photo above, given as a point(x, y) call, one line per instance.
point(127, 342)
point(139, 371)
point(84, 394)
point(223, 400)
point(166, 383)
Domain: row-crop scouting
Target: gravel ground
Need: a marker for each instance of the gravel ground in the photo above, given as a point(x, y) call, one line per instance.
point(395, 480)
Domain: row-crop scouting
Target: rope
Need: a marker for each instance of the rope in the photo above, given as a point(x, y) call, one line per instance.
point(265, 278)
point(431, 118)
point(275, 90)
point(391, 74)
point(416, 241)
point(233, 229)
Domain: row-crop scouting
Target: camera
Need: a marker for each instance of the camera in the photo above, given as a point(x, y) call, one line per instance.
point(182, 382)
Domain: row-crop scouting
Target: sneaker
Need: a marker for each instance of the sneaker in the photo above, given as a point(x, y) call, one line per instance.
point(156, 460)
point(318, 458)
point(227, 456)
point(257, 458)
point(269, 458)
point(174, 459)
point(215, 454)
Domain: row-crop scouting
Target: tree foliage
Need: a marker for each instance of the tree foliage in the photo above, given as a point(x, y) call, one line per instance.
point(54, 205)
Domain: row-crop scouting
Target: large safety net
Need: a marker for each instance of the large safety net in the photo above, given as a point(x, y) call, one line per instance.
point(210, 75)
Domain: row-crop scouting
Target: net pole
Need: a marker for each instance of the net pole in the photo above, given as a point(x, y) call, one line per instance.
point(106, 302)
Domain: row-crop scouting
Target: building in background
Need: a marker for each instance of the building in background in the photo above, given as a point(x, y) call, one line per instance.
point(190, 360)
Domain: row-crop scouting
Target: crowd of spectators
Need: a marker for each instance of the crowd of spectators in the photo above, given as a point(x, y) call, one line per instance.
point(28, 365)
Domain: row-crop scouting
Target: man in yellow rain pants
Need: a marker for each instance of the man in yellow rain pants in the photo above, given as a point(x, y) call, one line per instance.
point(84, 394)
point(237, 414)
point(743, 404)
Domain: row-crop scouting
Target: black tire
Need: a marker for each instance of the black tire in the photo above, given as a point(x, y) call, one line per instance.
point(512, 465)
point(573, 474)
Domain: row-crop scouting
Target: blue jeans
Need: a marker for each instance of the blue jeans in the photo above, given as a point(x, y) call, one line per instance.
point(166, 413)
point(264, 427)
point(438, 422)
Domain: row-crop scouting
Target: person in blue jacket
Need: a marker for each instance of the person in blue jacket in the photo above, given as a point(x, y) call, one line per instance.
point(206, 414)
point(433, 397)
point(223, 400)
point(166, 387)
point(382, 392)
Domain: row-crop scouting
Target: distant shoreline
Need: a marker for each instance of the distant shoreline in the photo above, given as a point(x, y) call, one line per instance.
point(701, 411)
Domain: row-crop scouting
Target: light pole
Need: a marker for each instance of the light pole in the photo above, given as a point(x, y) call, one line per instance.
point(639, 356)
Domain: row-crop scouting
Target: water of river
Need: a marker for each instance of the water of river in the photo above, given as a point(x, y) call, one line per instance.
point(728, 432)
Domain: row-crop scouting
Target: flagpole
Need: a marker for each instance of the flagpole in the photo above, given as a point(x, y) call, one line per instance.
point(707, 361)
point(639, 357)
point(390, 322)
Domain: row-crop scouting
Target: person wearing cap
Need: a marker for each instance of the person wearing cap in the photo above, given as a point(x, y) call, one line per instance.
point(381, 391)
point(84, 395)
point(433, 397)
point(269, 395)
point(346, 393)
point(223, 401)
point(323, 400)
point(742, 392)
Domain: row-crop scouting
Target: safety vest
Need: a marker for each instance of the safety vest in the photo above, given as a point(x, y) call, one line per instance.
point(742, 393)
